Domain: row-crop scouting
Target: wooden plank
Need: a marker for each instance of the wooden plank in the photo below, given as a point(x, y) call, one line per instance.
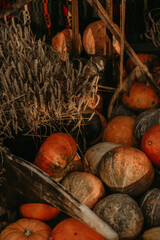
point(110, 25)
point(21, 181)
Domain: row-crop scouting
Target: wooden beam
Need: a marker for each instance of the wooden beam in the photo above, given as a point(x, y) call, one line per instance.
point(13, 8)
point(112, 28)
point(77, 45)
point(109, 10)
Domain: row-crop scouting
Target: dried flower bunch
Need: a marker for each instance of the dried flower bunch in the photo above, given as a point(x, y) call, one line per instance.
point(37, 88)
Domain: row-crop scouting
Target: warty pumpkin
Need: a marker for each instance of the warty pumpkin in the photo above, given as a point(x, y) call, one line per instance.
point(56, 154)
point(141, 97)
point(120, 130)
point(126, 169)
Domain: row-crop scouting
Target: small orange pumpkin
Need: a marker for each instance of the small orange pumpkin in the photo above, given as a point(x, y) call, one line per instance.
point(26, 229)
point(141, 97)
point(96, 102)
point(71, 229)
point(39, 211)
point(56, 154)
point(62, 43)
point(150, 144)
point(120, 130)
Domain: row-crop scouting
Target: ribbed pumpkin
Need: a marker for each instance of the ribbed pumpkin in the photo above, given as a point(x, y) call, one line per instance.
point(150, 205)
point(56, 154)
point(95, 39)
point(94, 154)
point(26, 229)
point(127, 170)
point(144, 57)
point(150, 144)
point(141, 97)
point(39, 211)
point(62, 43)
point(144, 121)
point(72, 229)
point(120, 130)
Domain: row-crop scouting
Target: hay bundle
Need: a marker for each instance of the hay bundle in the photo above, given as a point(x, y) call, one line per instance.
point(37, 88)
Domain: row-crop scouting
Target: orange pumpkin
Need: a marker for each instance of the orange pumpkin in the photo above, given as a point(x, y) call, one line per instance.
point(120, 130)
point(150, 144)
point(141, 97)
point(56, 154)
point(144, 57)
point(71, 229)
point(26, 229)
point(77, 164)
point(85, 186)
point(96, 102)
point(39, 211)
point(95, 39)
point(62, 43)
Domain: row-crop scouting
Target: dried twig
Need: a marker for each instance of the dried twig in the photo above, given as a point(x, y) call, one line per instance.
point(125, 87)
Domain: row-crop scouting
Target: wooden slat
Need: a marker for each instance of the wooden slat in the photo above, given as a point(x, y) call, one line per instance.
point(75, 29)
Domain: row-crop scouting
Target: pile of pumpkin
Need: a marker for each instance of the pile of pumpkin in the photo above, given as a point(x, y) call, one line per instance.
point(117, 176)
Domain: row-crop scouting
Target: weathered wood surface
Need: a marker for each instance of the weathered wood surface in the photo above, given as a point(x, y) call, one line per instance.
point(14, 7)
point(21, 181)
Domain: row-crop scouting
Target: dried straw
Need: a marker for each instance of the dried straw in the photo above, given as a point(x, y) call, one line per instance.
point(37, 88)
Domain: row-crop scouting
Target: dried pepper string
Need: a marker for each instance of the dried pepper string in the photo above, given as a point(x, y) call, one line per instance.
point(67, 12)
point(47, 17)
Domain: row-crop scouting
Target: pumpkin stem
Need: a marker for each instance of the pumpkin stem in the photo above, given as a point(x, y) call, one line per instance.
point(27, 232)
